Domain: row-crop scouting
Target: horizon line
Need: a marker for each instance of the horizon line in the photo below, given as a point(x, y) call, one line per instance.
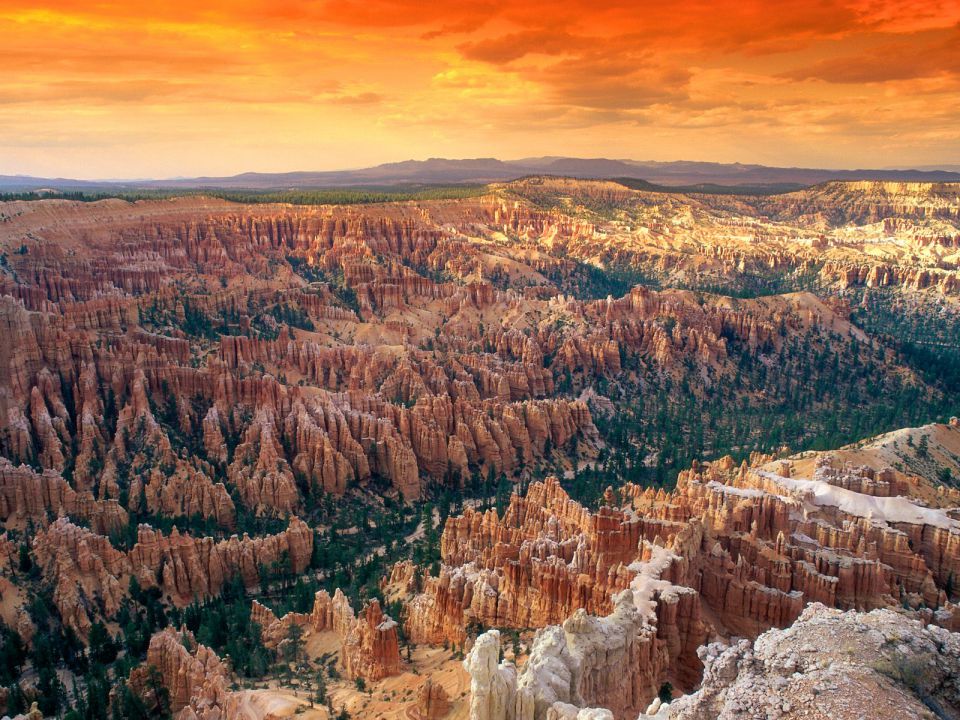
point(951, 167)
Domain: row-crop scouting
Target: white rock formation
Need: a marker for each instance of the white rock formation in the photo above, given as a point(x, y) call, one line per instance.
point(562, 711)
point(588, 660)
point(569, 667)
point(493, 685)
point(831, 664)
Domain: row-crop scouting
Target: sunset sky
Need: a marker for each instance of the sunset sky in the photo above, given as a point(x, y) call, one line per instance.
point(122, 89)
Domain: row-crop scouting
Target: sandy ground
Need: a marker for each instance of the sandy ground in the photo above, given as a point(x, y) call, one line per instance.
point(393, 698)
point(270, 704)
point(11, 600)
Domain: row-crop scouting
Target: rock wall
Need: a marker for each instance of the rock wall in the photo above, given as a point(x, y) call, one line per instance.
point(91, 577)
point(28, 495)
point(751, 543)
point(194, 676)
point(370, 647)
point(371, 650)
point(433, 703)
point(548, 562)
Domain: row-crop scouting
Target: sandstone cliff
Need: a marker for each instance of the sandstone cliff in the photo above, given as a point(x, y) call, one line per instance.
point(90, 577)
point(750, 542)
point(195, 678)
point(369, 646)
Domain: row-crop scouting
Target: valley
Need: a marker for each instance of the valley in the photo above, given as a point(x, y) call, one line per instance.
point(526, 452)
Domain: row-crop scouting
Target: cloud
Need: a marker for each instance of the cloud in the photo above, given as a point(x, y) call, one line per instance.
point(513, 46)
point(610, 81)
point(919, 56)
point(363, 98)
point(387, 77)
point(119, 91)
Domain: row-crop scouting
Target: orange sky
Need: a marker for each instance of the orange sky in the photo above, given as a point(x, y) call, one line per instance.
point(119, 89)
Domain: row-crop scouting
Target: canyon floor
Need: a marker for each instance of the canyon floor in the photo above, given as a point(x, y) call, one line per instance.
point(556, 449)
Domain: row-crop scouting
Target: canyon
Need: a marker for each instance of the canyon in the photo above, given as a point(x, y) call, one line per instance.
point(560, 449)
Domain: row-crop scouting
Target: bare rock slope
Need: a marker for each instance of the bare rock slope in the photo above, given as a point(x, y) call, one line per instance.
point(831, 664)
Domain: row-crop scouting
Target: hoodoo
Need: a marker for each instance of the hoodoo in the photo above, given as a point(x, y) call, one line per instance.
point(551, 449)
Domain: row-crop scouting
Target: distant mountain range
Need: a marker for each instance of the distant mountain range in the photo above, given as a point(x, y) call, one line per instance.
point(484, 170)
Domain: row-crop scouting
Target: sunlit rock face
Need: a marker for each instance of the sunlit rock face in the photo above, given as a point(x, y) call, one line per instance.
point(733, 551)
point(232, 367)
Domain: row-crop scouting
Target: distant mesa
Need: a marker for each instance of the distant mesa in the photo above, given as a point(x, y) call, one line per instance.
point(486, 170)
